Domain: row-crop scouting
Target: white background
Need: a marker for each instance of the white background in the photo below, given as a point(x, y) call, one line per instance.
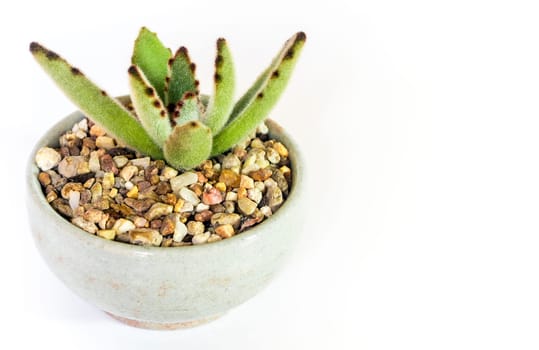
point(419, 120)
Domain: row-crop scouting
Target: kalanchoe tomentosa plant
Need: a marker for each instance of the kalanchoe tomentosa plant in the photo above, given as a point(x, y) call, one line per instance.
point(173, 120)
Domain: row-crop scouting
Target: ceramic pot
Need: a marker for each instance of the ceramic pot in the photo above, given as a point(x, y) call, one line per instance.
point(163, 288)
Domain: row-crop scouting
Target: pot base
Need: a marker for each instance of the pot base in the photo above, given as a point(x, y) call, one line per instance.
point(162, 326)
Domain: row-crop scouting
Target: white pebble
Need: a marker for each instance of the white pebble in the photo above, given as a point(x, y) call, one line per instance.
point(83, 125)
point(47, 158)
point(128, 185)
point(180, 230)
point(183, 180)
point(123, 225)
point(231, 196)
point(189, 196)
point(141, 162)
point(93, 163)
point(187, 207)
point(254, 194)
point(74, 199)
point(266, 211)
point(201, 207)
point(201, 238)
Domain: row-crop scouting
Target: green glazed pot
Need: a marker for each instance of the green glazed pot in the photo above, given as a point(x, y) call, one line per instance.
point(164, 288)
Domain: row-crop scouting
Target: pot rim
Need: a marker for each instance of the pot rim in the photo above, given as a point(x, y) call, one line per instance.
point(35, 193)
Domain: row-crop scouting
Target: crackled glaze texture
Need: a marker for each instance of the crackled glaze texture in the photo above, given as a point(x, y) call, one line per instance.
point(164, 288)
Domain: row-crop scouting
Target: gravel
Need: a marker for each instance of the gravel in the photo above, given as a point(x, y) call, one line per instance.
point(113, 192)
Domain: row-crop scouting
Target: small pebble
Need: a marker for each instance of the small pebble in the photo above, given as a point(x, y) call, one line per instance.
point(168, 225)
point(220, 186)
point(85, 225)
point(145, 236)
point(231, 196)
point(246, 182)
point(94, 163)
point(47, 158)
point(189, 196)
point(212, 196)
point(201, 207)
point(168, 173)
point(225, 231)
point(203, 216)
point(74, 199)
point(180, 230)
point(261, 174)
point(104, 142)
point(120, 161)
point(123, 225)
point(158, 210)
point(44, 179)
point(201, 238)
point(187, 207)
point(266, 211)
point(231, 161)
point(214, 238)
point(128, 172)
point(274, 197)
point(69, 166)
point(281, 149)
point(229, 178)
point(141, 162)
point(246, 206)
point(183, 180)
point(69, 187)
point(108, 181)
point(255, 195)
point(195, 227)
point(225, 218)
point(96, 130)
point(107, 234)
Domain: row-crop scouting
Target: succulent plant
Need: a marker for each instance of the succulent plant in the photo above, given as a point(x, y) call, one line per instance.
point(171, 119)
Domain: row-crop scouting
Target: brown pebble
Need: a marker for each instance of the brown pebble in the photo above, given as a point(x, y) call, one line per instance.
point(201, 177)
point(249, 222)
point(261, 174)
point(212, 196)
point(88, 143)
point(203, 216)
point(62, 206)
point(140, 205)
point(107, 164)
point(143, 185)
point(225, 231)
point(167, 226)
point(169, 198)
point(156, 224)
point(71, 186)
point(51, 196)
point(44, 179)
point(145, 236)
point(229, 178)
point(163, 188)
point(197, 189)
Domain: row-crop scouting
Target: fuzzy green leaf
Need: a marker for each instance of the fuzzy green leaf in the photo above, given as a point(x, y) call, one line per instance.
point(188, 109)
point(262, 80)
point(182, 76)
point(257, 110)
point(222, 100)
point(188, 145)
point(95, 103)
point(149, 107)
point(152, 57)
